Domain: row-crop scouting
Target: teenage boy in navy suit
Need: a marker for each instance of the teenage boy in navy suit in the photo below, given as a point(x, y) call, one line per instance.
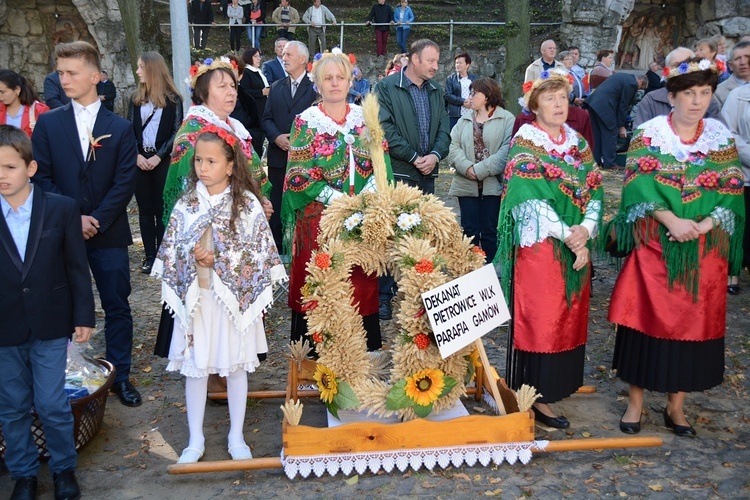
point(89, 153)
point(45, 296)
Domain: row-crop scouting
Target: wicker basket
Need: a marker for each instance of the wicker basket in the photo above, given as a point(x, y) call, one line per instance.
point(88, 414)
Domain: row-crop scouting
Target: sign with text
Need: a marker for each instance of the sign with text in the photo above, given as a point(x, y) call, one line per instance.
point(463, 310)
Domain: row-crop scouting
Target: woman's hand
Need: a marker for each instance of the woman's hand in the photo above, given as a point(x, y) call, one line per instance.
point(142, 163)
point(470, 174)
point(682, 230)
point(577, 238)
point(266, 90)
point(153, 162)
point(582, 258)
point(203, 257)
point(706, 225)
point(267, 207)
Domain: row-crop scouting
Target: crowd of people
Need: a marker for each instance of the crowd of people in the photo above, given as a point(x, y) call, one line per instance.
point(217, 226)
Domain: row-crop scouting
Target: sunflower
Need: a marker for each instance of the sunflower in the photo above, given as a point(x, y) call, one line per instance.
point(425, 386)
point(326, 383)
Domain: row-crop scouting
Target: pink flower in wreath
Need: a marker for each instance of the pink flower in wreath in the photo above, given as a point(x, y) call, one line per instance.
point(247, 272)
point(552, 171)
point(709, 180)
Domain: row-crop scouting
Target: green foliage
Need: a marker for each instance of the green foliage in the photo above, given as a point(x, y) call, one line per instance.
point(343, 400)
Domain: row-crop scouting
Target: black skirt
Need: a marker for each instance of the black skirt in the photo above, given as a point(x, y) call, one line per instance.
point(555, 375)
point(667, 365)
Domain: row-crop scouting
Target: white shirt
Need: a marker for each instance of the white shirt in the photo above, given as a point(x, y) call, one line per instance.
point(85, 121)
point(465, 83)
point(150, 130)
point(317, 16)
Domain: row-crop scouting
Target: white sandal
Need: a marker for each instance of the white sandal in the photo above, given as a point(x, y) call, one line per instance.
point(190, 455)
point(240, 451)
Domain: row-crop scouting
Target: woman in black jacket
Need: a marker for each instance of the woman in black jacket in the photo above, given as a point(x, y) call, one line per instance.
point(255, 84)
point(156, 113)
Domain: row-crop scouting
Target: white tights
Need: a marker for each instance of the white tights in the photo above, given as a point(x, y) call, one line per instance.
point(195, 400)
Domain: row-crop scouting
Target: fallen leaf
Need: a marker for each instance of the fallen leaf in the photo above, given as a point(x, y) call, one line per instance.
point(463, 476)
point(727, 464)
point(477, 477)
point(623, 494)
point(131, 455)
point(427, 485)
point(147, 369)
point(586, 434)
point(256, 430)
point(493, 493)
point(151, 398)
point(479, 409)
point(236, 482)
point(495, 480)
point(655, 487)
point(352, 480)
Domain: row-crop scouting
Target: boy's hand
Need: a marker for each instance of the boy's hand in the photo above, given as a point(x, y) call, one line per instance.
point(83, 334)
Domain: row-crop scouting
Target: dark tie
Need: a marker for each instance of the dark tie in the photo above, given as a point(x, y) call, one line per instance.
point(294, 88)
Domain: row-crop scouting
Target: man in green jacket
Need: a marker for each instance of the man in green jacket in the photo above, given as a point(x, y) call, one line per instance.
point(416, 126)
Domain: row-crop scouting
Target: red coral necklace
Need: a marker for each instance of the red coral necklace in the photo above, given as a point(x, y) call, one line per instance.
point(337, 122)
point(695, 138)
point(559, 141)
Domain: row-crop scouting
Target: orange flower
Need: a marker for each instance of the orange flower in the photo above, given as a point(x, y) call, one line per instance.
point(317, 337)
point(479, 251)
point(527, 86)
point(323, 260)
point(424, 266)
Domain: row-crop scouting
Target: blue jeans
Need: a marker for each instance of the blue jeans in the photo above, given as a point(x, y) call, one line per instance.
point(253, 34)
point(33, 373)
point(111, 271)
point(479, 221)
point(401, 35)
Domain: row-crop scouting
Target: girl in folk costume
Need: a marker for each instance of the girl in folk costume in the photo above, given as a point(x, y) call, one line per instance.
point(681, 218)
point(327, 159)
point(551, 207)
point(18, 104)
point(218, 262)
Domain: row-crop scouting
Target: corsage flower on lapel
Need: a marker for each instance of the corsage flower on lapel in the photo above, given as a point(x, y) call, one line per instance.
point(95, 143)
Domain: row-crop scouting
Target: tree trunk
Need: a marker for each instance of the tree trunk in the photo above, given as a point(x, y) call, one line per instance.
point(517, 34)
point(142, 32)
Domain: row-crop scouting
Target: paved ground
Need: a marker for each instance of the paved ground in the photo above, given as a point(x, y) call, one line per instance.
point(129, 458)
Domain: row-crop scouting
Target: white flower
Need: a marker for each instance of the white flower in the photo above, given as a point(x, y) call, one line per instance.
point(354, 220)
point(225, 59)
point(349, 139)
point(704, 64)
point(336, 50)
point(407, 221)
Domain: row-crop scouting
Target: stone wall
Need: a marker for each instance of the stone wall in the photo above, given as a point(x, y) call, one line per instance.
point(29, 30)
point(598, 24)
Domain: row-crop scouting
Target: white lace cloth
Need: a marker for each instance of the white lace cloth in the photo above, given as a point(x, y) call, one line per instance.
point(539, 221)
point(230, 125)
point(542, 139)
point(714, 136)
point(402, 459)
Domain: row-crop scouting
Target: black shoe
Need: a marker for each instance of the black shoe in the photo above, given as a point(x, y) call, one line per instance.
point(25, 488)
point(147, 264)
point(630, 427)
point(733, 289)
point(679, 430)
point(66, 486)
point(556, 422)
point(128, 394)
point(385, 312)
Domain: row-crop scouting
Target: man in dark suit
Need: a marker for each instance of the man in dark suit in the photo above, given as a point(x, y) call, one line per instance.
point(89, 153)
point(608, 109)
point(288, 98)
point(654, 77)
point(201, 12)
point(54, 97)
point(107, 92)
point(274, 68)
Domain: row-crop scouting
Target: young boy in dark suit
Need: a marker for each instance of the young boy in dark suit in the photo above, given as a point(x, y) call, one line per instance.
point(45, 296)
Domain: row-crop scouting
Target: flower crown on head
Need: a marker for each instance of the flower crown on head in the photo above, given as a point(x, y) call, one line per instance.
point(208, 64)
point(325, 55)
point(224, 135)
point(691, 67)
point(552, 74)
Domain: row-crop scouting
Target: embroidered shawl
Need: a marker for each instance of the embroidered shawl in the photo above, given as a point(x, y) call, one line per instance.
point(247, 262)
point(693, 181)
point(197, 118)
point(319, 157)
point(562, 175)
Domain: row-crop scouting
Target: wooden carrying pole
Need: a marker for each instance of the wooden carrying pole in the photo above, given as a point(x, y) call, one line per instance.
point(552, 446)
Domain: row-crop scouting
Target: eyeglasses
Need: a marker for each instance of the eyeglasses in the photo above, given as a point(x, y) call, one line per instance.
point(472, 93)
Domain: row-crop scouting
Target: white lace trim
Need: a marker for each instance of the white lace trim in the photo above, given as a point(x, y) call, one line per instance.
point(324, 124)
point(402, 459)
point(714, 135)
point(541, 138)
point(234, 126)
point(640, 211)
